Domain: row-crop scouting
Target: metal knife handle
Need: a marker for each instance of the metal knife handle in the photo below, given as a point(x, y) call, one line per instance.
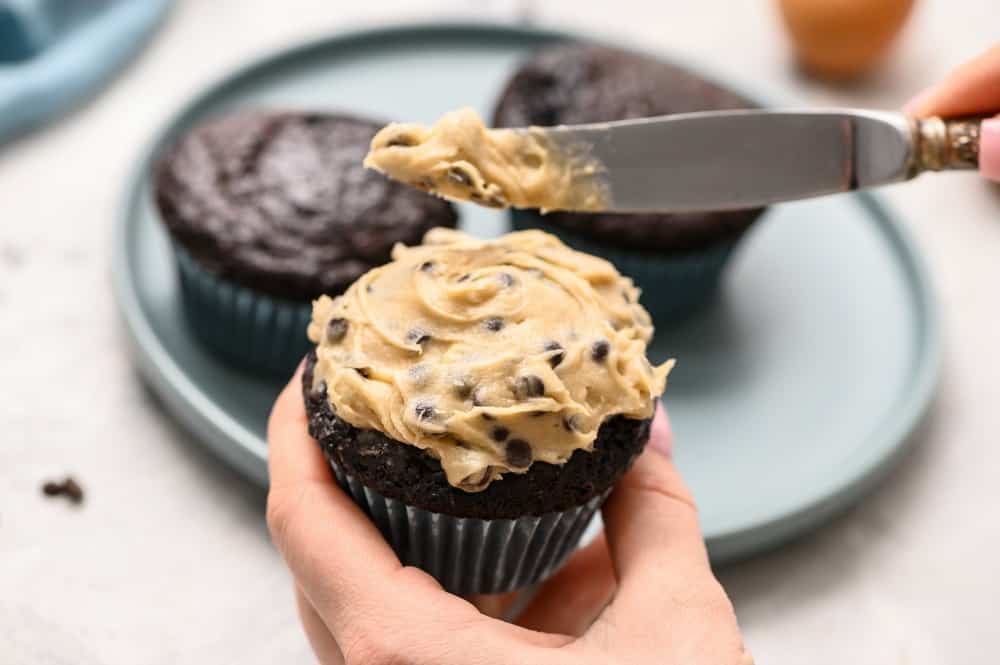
point(944, 144)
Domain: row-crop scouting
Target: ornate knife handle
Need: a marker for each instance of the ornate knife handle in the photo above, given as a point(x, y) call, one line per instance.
point(943, 144)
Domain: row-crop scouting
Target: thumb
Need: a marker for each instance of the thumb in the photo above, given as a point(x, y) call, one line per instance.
point(972, 88)
point(651, 517)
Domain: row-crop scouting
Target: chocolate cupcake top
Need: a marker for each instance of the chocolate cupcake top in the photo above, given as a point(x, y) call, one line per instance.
point(578, 83)
point(488, 354)
point(279, 202)
point(459, 158)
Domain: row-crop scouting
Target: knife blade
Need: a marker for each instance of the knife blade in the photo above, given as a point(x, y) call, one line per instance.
point(722, 160)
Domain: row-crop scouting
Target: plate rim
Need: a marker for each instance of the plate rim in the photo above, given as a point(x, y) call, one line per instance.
point(207, 421)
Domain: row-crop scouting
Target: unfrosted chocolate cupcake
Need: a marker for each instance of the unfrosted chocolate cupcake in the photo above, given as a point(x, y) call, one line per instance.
point(269, 210)
point(676, 258)
point(479, 399)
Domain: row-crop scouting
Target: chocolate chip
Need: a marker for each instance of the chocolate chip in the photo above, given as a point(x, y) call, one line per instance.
point(557, 357)
point(425, 411)
point(426, 266)
point(460, 175)
point(369, 288)
point(417, 336)
point(335, 330)
point(528, 386)
point(464, 277)
point(493, 324)
point(572, 422)
point(487, 416)
point(506, 279)
point(68, 488)
point(518, 453)
point(463, 388)
point(364, 372)
point(499, 433)
point(599, 351)
point(475, 196)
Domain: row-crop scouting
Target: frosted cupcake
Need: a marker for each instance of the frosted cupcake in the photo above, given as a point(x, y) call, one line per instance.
point(479, 399)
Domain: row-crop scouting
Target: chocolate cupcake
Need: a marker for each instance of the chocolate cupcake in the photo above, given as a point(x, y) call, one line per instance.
point(676, 258)
point(269, 210)
point(479, 399)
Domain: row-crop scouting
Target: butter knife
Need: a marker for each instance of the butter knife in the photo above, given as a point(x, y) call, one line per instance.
point(722, 160)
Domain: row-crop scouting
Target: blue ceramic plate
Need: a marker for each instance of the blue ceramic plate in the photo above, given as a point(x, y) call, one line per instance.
point(792, 394)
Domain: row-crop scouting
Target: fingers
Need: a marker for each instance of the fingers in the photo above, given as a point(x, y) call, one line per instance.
point(331, 547)
point(667, 594)
point(570, 601)
point(374, 608)
point(293, 457)
point(973, 88)
point(322, 642)
point(651, 522)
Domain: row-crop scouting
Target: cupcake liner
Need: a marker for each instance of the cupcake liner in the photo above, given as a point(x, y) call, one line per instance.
point(244, 327)
point(469, 555)
point(674, 285)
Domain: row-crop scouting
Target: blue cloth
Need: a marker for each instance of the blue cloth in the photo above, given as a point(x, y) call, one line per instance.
point(55, 53)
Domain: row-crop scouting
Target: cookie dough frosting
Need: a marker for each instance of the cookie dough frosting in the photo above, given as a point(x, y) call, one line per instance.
point(459, 158)
point(488, 354)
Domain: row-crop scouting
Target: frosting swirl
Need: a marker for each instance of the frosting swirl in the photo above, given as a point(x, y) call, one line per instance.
point(488, 354)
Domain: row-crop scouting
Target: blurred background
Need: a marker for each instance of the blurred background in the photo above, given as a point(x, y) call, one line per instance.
point(169, 561)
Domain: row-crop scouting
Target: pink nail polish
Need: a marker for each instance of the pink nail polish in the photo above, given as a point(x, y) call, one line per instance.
point(662, 445)
point(989, 149)
point(661, 438)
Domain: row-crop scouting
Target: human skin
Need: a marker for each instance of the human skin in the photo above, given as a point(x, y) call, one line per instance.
point(971, 89)
point(642, 592)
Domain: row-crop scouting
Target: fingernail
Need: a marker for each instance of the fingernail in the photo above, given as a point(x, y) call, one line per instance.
point(661, 445)
point(989, 149)
point(661, 439)
point(914, 106)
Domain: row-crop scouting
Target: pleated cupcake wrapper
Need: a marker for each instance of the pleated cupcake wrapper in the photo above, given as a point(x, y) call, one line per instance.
point(674, 285)
point(469, 555)
point(246, 328)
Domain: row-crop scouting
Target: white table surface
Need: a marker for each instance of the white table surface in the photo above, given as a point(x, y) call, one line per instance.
point(169, 560)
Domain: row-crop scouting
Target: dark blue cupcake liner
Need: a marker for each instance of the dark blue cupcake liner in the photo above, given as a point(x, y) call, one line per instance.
point(244, 327)
point(469, 555)
point(673, 284)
